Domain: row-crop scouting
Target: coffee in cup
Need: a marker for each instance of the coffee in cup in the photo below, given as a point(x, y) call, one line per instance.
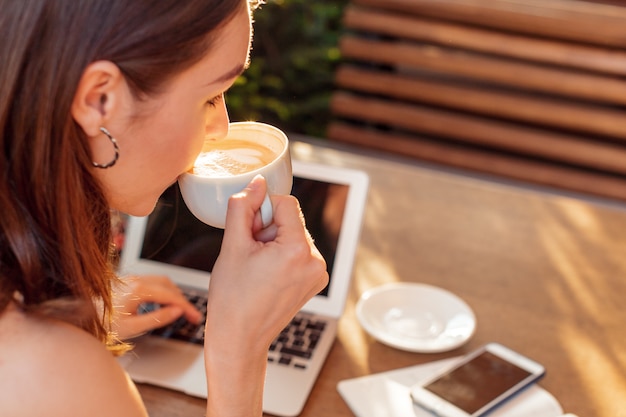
point(231, 156)
point(226, 166)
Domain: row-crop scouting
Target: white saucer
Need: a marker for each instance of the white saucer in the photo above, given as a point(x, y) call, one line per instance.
point(416, 317)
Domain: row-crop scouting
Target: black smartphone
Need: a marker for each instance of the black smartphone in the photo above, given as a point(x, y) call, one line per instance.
point(481, 381)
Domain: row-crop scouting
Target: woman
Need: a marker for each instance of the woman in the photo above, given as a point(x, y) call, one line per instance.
point(103, 103)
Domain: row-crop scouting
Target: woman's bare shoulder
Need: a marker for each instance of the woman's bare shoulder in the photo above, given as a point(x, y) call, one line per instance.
point(54, 369)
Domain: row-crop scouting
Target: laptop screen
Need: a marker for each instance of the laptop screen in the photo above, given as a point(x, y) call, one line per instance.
point(174, 236)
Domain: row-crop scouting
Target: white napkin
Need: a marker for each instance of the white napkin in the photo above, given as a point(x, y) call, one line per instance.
point(387, 394)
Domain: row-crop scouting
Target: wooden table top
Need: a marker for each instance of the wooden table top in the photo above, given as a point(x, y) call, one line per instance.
point(544, 272)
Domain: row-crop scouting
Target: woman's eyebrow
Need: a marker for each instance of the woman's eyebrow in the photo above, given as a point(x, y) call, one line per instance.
point(233, 73)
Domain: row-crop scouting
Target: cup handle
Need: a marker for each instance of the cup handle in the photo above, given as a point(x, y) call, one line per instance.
point(267, 213)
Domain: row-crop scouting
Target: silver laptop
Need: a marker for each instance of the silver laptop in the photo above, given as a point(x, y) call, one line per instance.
point(172, 242)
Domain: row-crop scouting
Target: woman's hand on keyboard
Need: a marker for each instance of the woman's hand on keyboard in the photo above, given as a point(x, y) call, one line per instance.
point(257, 286)
point(137, 290)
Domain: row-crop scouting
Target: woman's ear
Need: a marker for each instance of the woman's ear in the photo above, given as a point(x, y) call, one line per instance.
point(97, 95)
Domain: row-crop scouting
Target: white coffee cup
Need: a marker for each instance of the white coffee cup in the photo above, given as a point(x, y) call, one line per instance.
point(206, 194)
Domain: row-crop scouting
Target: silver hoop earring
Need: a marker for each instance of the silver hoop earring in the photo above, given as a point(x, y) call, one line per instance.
point(115, 147)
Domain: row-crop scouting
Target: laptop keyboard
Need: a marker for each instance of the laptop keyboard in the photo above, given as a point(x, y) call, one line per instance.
point(294, 346)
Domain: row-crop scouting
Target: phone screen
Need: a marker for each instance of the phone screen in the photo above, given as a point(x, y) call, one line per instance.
point(476, 383)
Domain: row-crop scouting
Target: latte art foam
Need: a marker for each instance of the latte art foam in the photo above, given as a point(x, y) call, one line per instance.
point(230, 157)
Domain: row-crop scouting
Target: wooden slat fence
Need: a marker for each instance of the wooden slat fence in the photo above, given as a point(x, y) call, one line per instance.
point(533, 90)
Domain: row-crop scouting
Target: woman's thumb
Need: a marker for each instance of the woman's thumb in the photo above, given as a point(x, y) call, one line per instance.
point(244, 207)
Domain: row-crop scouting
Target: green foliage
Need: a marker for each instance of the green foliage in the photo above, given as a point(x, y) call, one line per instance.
point(294, 56)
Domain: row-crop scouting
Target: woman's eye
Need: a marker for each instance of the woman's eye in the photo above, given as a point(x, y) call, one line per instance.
point(213, 102)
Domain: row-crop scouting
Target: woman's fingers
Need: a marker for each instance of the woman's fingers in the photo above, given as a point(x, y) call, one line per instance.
point(165, 293)
point(244, 216)
point(160, 290)
point(137, 324)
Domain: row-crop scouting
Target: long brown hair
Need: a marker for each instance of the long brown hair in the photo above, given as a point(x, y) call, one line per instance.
point(55, 235)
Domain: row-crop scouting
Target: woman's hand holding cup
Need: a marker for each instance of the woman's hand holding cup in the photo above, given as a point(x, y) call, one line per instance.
point(260, 285)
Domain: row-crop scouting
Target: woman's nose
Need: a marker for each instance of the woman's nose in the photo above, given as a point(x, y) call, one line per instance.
point(217, 124)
